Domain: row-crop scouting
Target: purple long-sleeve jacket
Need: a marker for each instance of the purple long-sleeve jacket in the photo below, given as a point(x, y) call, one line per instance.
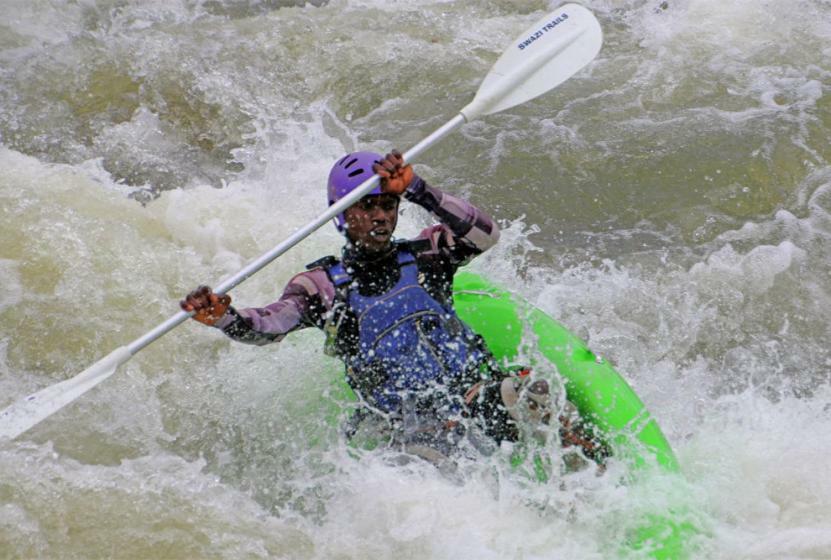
point(464, 231)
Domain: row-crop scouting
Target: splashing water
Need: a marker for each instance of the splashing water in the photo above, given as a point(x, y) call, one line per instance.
point(670, 205)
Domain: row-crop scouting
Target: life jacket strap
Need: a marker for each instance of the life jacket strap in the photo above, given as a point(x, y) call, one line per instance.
point(324, 263)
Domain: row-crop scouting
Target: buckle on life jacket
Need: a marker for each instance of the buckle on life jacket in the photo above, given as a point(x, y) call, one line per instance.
point(331, 328)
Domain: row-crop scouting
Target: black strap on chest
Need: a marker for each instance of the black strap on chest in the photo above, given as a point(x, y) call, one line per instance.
point(325, 263)
point(414, 247)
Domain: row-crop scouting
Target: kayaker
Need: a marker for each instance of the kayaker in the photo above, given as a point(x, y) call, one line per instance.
point(424, 378)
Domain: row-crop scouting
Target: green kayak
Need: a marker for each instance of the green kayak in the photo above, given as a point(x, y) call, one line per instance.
point(600, 394)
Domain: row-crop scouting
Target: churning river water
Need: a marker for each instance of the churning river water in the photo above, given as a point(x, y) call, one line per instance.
point(670, 204)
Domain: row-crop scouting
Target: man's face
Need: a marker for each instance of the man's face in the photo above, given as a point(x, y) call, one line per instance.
point(371, 221)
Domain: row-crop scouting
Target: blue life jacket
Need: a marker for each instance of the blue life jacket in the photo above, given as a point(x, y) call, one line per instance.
point(409, 344)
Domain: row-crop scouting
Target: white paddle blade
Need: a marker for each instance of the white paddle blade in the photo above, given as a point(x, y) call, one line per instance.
point(28, 412)
point(544, 56)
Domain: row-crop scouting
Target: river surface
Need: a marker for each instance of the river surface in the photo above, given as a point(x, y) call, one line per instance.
point(670, 204)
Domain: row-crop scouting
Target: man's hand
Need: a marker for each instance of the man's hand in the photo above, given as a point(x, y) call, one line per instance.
point(395, 176)
point(208, 306)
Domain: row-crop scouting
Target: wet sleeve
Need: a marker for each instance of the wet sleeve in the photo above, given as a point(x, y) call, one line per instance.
point(304, 302)
point(465, 230)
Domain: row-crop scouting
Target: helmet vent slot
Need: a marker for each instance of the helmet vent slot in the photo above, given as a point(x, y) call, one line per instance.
point(352, 162)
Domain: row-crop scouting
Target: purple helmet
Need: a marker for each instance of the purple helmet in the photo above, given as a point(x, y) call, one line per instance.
point(347, 174)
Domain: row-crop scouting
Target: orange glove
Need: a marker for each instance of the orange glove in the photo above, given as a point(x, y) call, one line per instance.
point(207, 306)
point(395, 176)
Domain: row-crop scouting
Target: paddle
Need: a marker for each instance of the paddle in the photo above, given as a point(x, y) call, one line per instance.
point(544, 56)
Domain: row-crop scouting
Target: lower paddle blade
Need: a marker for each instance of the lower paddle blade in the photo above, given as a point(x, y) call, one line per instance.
point(28, 412)
point(544, 56)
